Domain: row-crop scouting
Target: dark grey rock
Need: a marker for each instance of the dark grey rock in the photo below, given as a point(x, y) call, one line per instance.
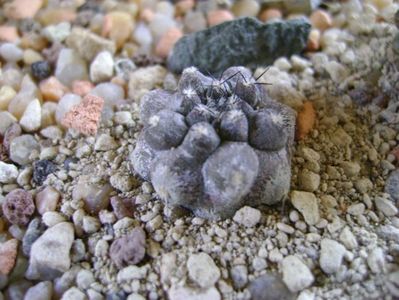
point(244, 41)
point(392, 185)
point(270, 287)
point(35, 229)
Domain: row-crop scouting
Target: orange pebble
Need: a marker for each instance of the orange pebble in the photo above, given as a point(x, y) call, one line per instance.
point(306, 120)
point(147, 15)
point(85, 116)
point(219, 16)
point(167, 42)
point(270, 14)
point(8, 33)
point(52, 89)
point(313, 40)
point(321, 20)
point(8, 255)
point(82, 87)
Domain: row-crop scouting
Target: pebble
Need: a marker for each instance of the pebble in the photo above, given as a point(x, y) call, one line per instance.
point(160, 24)
point(52, 89)
point(309, 181)
point(348, 238)
point(22, 9)
point(296, 275)
point(18, 207)
point(105, 142)
point(123, 68)
point(203, 270)
point(70, 67)
point(89, 44)
point(118, 27)
point(183, 292)
point(41, 169)
point(307, 205)
point(321, 19)
point(8, 34)
point(392, 185)
point(8, 255)
point(239, 275)
point(376, 261)
point(313, 40)
point(386, 206)
point(31, 119)
point(73, 294)
point(247, 216)
point(8, 172)
point(90, 224)
point(219, 16)
point(6, 95)
point(110, 92)
point(57, 33)
point(51, 218)
point(145, 79)
point(84, 279)
point(306, 120)
point(194, 21)
point(167, 41)
point(64, 105)
point(270, 14)
point(40, 70)
point(6, 120)
point(82, 87)
point(49, 256)
point(10, 52)
point(331, 255)
point(102, 67)
point(245, 8)
point(356, 209)
point(41, 291)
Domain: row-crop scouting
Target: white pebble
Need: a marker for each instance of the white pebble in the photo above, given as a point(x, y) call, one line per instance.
point(8, 172)
point(32, 117)
point(10, 52)
point(102, 67)
point(296, 275)
point(247, 216)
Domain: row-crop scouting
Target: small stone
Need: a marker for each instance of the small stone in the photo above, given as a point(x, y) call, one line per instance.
point(348, 239)
point(239, 275)
point(84, 279)
point(202, 270)
point(110, 92)
point(296, 275)
point(386, 206)
point(49, 256)
point(47, 200)
point(269, 14)
point(105, 142)
point(82, 87)
point(88, 44)
point(52, 89)
point(122, 207)
point(70, 67)
point(331, 255)
point(183, 292)
point(337, 71)
point(22, 9)
point(90, 224)
point(376, 261)
point(246, 8)
point(102, 67)
point(8, 172)
point(392, 185)
point(6, 95)
point(74, 294)
point(313, 40)
point(216, 17)
point(307, 205)
point(270, 287)
point(247, 216)
point(123, 68)
point(309, 181)
point(85, 116)
point(145, 79)
point(167, 41)
point(350, 168)
point(123, 118)
point(118, 26)
point(10, 52)
point(41, 70)
point(58, 32)
point(305, 120)
point(34, 231)
point(194, 21)
point(128, 249)
point(8, 255)
point(363, 185)
point(18, 207)
point(356, 209)
point(41, 291)
point(51, 218)
point(321, 19)
point(6, 120)
point(8, 34)
point(32, 117)
point(41, 169)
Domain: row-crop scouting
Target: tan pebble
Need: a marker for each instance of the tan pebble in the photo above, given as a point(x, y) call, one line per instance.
point(47, 200)
point(48, 114)
point(313, 40)
point(8, 255)
point(31, 56)
point(56, 15)
point(33, 41)
point(245, 8)
point(183, 6)
point(82, 87)
point(8, 34)
point(270, 14)
point(22, 9)
point(381, 4)
point(6, 95)
point(85, 116)
point(118, 26)
point(306, 120)
point(167, 42)
point(147, 15)
point(321, 19)
point(52, 89)
point(219, 16)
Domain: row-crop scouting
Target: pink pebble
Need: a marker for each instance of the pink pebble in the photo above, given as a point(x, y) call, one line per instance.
point(147, 15)
point(52, 89)
point(167, 42)
point(8, 34)
point(85, 116)
point(82, 87)
point(8, 255)
point(18, 207)
point(270, 14)
point(47, 200)
point(23, 9)
point(219, 16)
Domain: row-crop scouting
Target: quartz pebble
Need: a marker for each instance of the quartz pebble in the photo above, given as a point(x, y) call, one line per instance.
point(21, 148)
point(296, 275)
point(202, 270)
point(49, 256)
point(64, 105)
point(307, 205)
point(70, 67)
point(386, 206)
point(10, 52)
point(32, 117)
point(6, 95)
point(58, 32)
point(321, 20)
point(331, 255)
point(102, 67)
point(247, 216)
point(6, 120)
point(8, 172)
point(270, 14)
point(41, 291)
point(47, 200)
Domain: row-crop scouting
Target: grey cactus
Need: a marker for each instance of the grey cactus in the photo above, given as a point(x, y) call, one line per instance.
point(214, 146)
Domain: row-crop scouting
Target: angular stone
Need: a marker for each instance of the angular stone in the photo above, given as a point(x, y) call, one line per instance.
point(307, 205)
point(270, 287)
point(32, 117)
point(331, 255)
point(203, 270)
point(219, 47)
point(50, 252)
point(296, 275)
point(21, 148)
